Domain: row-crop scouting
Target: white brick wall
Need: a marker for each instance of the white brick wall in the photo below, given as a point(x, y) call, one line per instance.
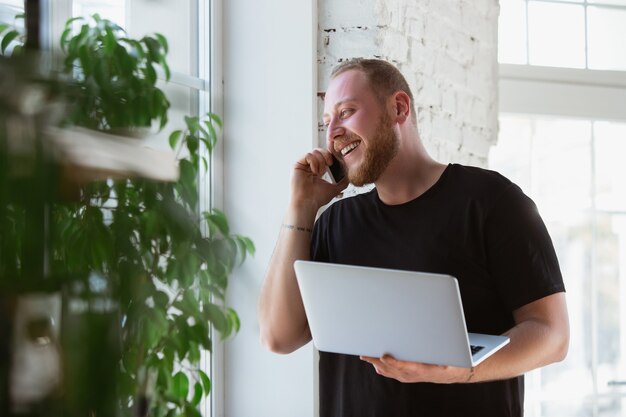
point(447, 50)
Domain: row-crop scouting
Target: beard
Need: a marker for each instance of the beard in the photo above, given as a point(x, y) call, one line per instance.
point(380, 150)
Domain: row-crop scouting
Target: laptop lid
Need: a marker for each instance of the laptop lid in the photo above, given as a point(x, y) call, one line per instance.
point(413, 316)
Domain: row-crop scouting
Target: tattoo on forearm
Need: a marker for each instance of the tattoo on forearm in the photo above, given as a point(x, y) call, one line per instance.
point(297, 228)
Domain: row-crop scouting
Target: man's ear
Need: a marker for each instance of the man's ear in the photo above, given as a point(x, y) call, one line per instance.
point(401, 106)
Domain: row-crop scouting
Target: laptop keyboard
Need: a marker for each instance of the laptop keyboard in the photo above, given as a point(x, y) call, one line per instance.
point(476, 349)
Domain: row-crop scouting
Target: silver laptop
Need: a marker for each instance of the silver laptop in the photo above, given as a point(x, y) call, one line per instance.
point(412, 316)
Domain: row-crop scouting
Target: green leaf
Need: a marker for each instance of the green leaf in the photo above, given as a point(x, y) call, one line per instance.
point(163, 41)
point(110, 41)
point(197, 394)
point(216, 316)
point(187, 172)
point(64, 36)
point(200, 332)
point(72, 20)
point(180, 386)
point(161, 299)
point(166, 68)
point(191, 411)
point(212, 134)
point(216, 119)
point(192, 144)
point(3, 27)
point(8, 38)
point(153, 48)
point(218, 219)
point(206, 382)
point(150, 74)
point(249, 245)
point(234, 318)
point(164, 378)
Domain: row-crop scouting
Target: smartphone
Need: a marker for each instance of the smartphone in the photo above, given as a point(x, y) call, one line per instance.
point(336, 170)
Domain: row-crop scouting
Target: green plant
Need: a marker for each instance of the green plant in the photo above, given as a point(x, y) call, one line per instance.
point(116, 75)
point(165, 263)
point(179, 276)
point(10, 34)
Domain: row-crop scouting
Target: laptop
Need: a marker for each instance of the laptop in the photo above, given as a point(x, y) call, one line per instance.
point(413, 316)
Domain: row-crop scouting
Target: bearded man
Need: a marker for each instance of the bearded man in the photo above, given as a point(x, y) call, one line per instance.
point(422, 215)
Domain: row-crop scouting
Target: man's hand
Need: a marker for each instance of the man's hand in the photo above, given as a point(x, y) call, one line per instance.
point(307, 186)
point(418, 372)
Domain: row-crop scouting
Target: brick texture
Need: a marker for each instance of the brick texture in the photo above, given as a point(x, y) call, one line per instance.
point(447, 50)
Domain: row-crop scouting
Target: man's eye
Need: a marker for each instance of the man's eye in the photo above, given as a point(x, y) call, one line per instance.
point(345, 113)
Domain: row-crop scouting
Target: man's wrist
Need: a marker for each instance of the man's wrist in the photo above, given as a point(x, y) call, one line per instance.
point(470, 376)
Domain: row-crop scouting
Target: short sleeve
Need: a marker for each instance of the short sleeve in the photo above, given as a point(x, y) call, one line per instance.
point(319, 244)
point(520, 254)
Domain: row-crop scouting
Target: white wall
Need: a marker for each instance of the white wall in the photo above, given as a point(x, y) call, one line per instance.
point(269, 122)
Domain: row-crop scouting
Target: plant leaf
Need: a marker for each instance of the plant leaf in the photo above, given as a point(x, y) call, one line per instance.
point(163, 41)
point(216, 316)
point(216, 119)
point(206, 382)
point(191, 411)
point(180, 386)
point(8, 38)
point(174, 138)
point(218, 219)
point(197, 394)
point(234, 318)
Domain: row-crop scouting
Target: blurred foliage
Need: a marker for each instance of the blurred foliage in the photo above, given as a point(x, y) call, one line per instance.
point(10, 35)
point(116, 75)
point(166, 264)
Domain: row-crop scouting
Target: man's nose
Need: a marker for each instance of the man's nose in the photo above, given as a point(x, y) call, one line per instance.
point(335, 129)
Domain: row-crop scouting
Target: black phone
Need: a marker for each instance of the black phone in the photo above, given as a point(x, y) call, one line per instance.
point(337, 171)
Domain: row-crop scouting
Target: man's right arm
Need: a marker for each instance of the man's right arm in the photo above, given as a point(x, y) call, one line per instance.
point(283, 323)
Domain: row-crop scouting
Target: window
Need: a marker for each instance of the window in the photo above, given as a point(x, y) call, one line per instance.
point(570, 169)
point(563, 33)
point(192, 29)
point(562, 130)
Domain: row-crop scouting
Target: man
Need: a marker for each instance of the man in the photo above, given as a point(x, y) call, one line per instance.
point(422, 215)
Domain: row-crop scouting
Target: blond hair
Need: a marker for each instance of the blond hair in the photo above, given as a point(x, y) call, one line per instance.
point(384, 78)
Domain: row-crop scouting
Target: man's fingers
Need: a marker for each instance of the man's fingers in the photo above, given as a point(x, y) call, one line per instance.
point(317, 160)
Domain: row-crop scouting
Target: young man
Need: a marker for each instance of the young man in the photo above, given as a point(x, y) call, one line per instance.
point(422, 215)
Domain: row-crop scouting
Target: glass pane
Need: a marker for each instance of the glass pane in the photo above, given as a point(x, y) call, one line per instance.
point(8, 11)
point(562, 166)
point(606, 38)
point(566, 388)
point(610, 148)
point(610, 278)
point(174, 20)
point(114, 10)
point(511, 157)
point(556, 34)
point(512, 32)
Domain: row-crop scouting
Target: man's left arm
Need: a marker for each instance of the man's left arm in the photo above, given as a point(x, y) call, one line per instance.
point(539, 337)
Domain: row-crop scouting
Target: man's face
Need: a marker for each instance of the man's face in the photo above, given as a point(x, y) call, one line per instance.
point(360, 130)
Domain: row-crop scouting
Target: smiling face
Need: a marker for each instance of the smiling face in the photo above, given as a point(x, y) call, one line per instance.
point(359, 128)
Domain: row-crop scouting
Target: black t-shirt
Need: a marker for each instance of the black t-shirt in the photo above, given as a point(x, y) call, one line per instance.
point(473, 224)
